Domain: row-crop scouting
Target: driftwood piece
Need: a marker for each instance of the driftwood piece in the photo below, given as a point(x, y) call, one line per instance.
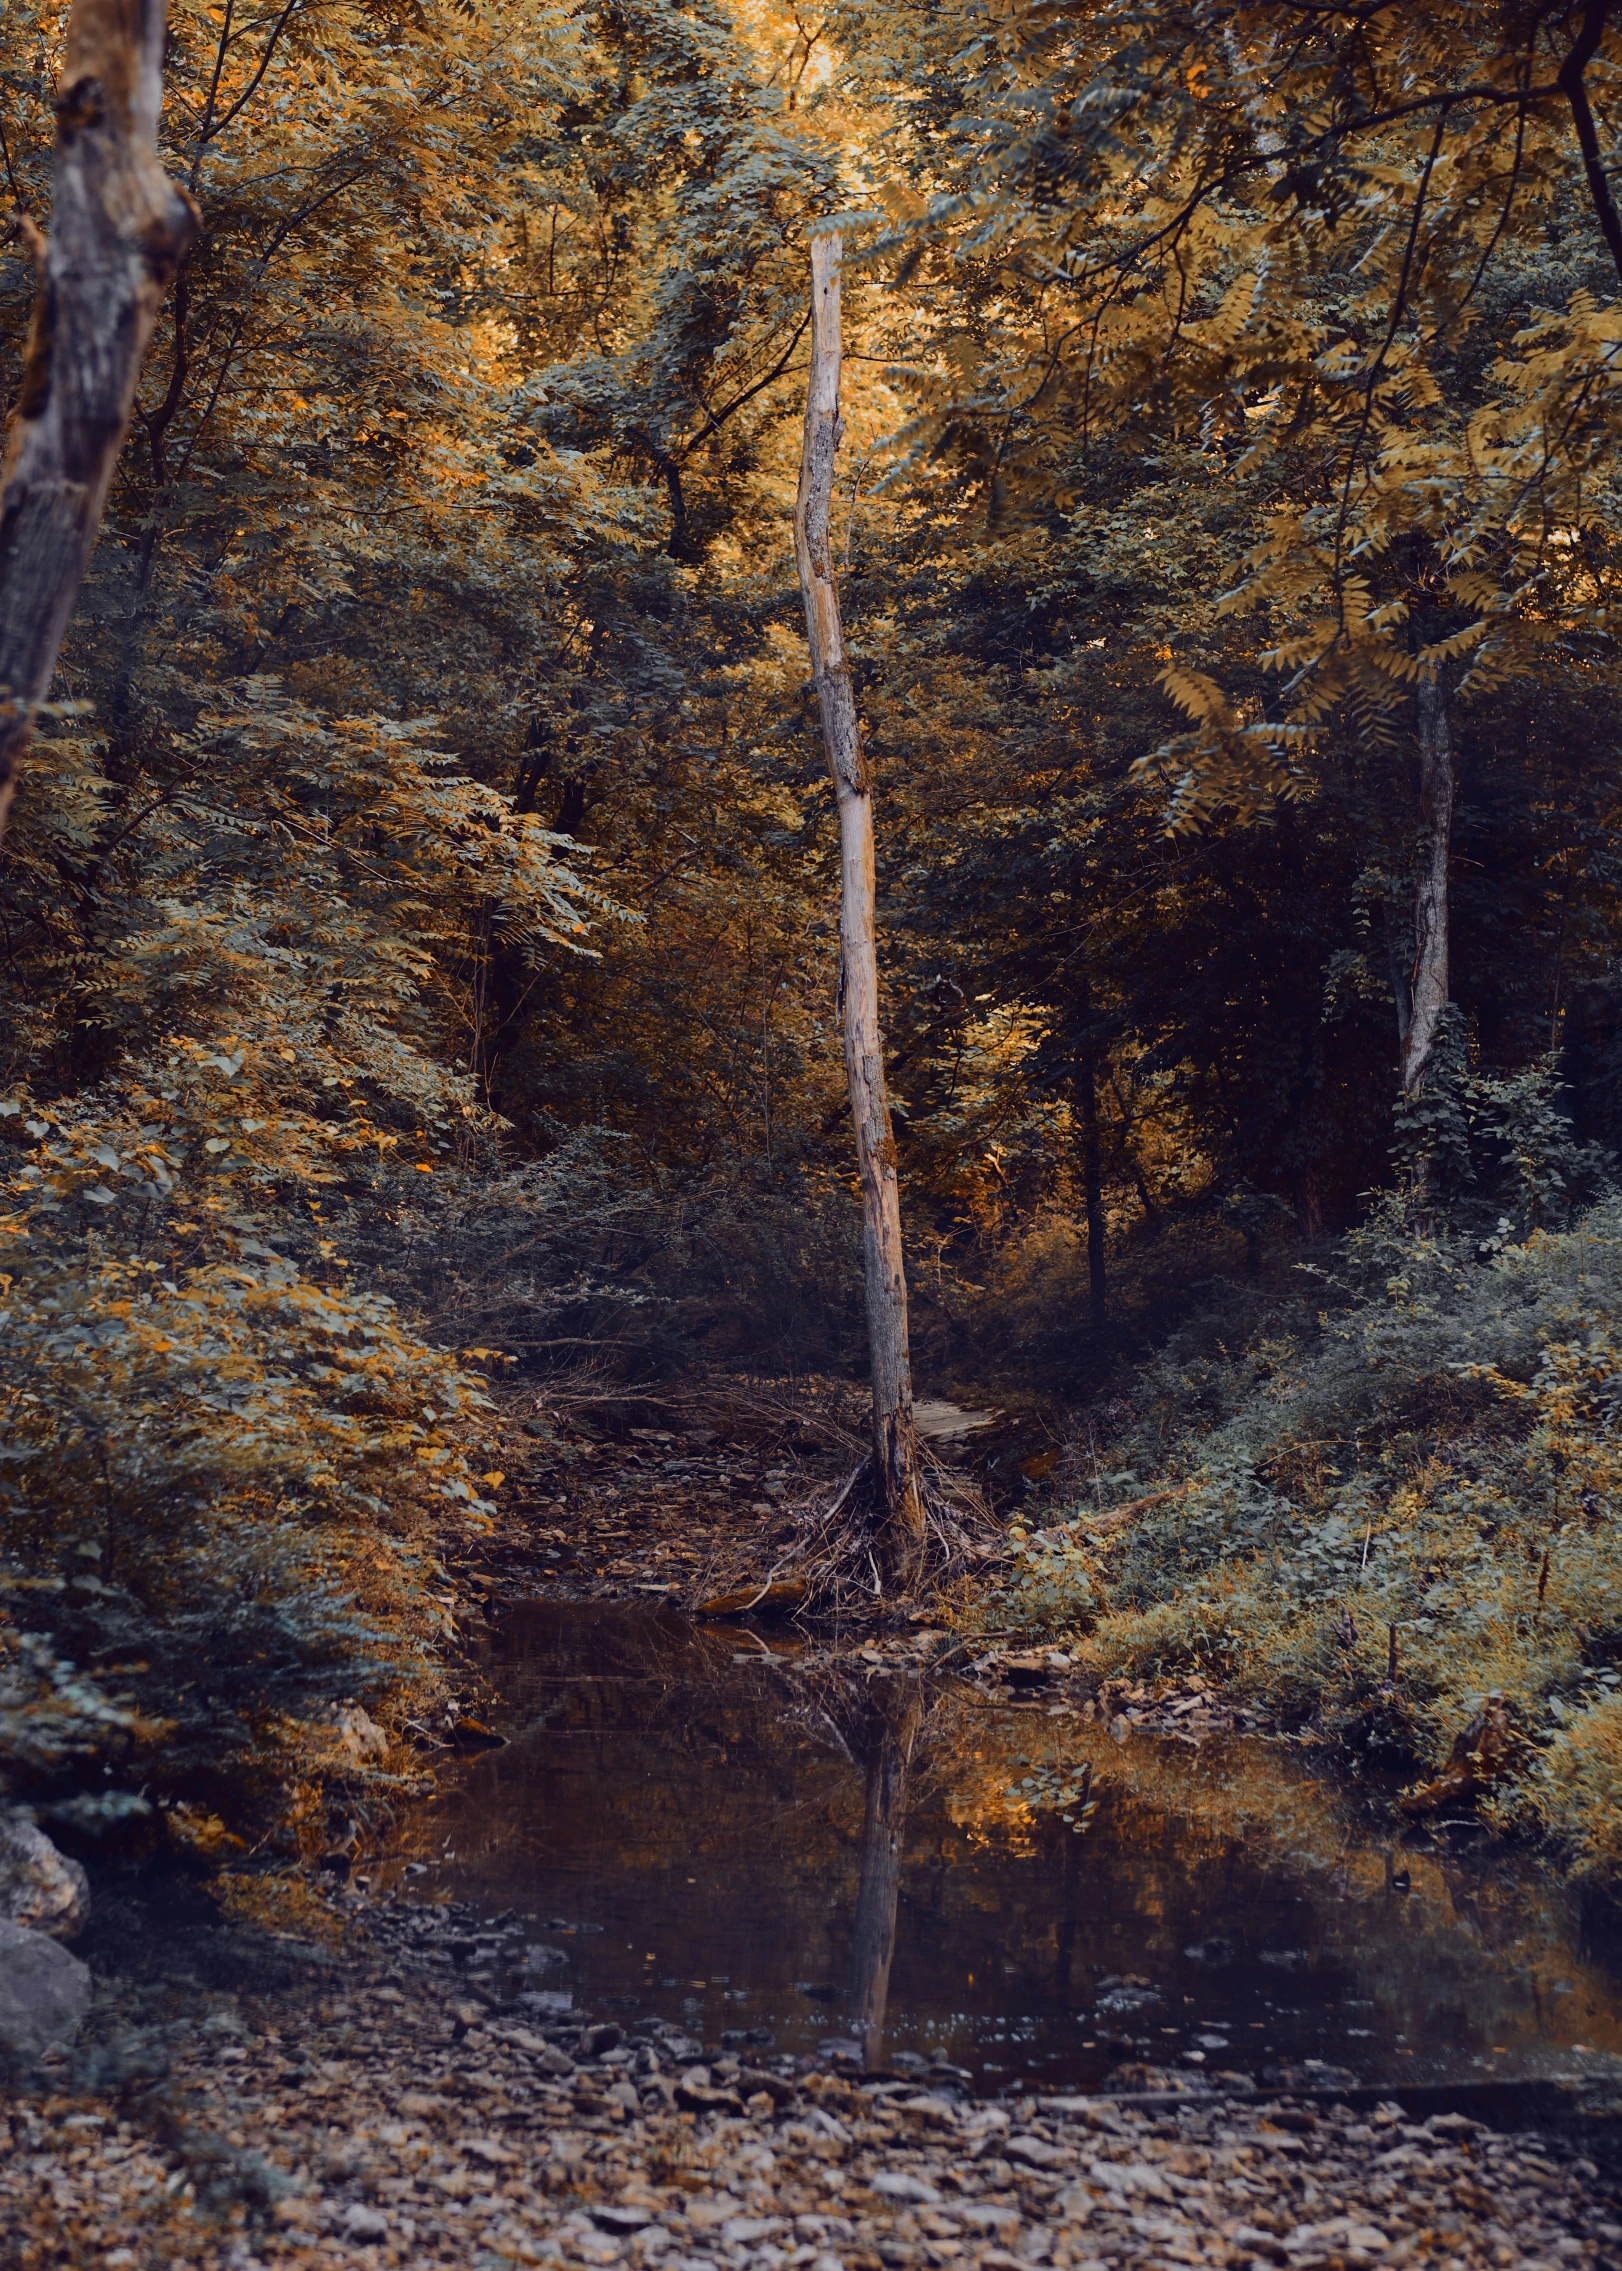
point(756, 1600)
point(119, 230)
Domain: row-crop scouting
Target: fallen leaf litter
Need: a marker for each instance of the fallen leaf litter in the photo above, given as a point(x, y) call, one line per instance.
point(387, 2119)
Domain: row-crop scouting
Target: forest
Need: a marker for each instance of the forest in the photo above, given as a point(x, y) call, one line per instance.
point(465, 609)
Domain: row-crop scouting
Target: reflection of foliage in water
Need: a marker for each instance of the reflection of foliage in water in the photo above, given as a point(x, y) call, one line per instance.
point(1066, 1790)
point(680, 1764)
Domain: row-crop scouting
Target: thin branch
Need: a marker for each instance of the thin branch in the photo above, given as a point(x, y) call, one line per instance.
point(252, 87)
point(204, 131)
point(718, 418)
point(1571, 85)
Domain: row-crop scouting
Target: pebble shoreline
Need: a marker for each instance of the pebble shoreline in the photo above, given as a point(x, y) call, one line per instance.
point(405, 2122)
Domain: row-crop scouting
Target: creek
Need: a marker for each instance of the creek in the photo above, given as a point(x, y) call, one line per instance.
point(770, 1853)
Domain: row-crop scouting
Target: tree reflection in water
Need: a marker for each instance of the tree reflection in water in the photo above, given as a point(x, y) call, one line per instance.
point(887, 1738)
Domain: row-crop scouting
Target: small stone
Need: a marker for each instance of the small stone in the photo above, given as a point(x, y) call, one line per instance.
point(1036, 2153)
point(615, 2218)
point(1134, 2178)
point(361, 2222)
point(744, 2231)
point(895, 2184)
point(487, 2150)
point(358, 1734)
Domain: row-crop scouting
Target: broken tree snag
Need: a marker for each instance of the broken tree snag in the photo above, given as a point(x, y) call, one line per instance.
point(895, 1447)
point(119, 230)
point(1428, 983)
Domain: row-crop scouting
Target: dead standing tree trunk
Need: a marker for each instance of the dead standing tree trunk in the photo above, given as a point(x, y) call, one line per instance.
point(119, 230)
point(1427, 987)
point(895, 1448)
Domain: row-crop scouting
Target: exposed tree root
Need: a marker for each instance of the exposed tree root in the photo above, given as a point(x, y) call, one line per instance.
point(827, 1559)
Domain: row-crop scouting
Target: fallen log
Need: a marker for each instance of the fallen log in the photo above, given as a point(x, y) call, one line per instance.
point(1117, 1517)
point(756, 1600)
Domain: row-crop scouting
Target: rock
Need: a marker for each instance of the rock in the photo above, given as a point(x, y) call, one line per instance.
point(488, 2150)
point(987, 2216)
point(44, 1992)
point(708, 2210)
point(1250, 2240)
point(620, 2219)
point(1340, 2233)
point(699, 2099)
point(1036, 2153)
point(745, 2231)
point(39, 1887)
point(358, 1734)
point(895, 2184)
point(361, 2222)
point(1133, 2179)
point(778, 2087)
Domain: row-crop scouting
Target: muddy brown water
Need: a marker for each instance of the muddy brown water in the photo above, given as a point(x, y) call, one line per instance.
point(785, 1859)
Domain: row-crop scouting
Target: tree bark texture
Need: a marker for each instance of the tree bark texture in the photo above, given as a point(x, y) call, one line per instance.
point(895, 1448)
point(119, 230)
point(897, 1708)
point(1427, 987)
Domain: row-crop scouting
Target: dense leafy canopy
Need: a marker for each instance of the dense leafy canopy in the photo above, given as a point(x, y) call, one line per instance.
point(425, 891)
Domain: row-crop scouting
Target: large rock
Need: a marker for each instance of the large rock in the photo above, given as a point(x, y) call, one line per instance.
point(44, 1992)
point(40, 1887)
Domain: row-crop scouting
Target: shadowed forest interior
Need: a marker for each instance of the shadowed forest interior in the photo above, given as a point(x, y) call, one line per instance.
point(421, 994)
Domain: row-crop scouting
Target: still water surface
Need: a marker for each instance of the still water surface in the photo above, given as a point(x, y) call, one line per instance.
point(694, 1833)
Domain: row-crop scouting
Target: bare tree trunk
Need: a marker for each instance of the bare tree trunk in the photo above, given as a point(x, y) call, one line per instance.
point(895, 1448)
point(1427, 987)
point(119, 230)
point(1093, 1195)
point(897, 1708)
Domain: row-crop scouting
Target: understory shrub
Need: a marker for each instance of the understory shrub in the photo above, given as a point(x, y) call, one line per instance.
point(227, 1471)
point(1374, 1514)
point(1576, 1792)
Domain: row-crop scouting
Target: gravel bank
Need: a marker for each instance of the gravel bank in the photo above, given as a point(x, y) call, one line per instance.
point(397, 2118)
